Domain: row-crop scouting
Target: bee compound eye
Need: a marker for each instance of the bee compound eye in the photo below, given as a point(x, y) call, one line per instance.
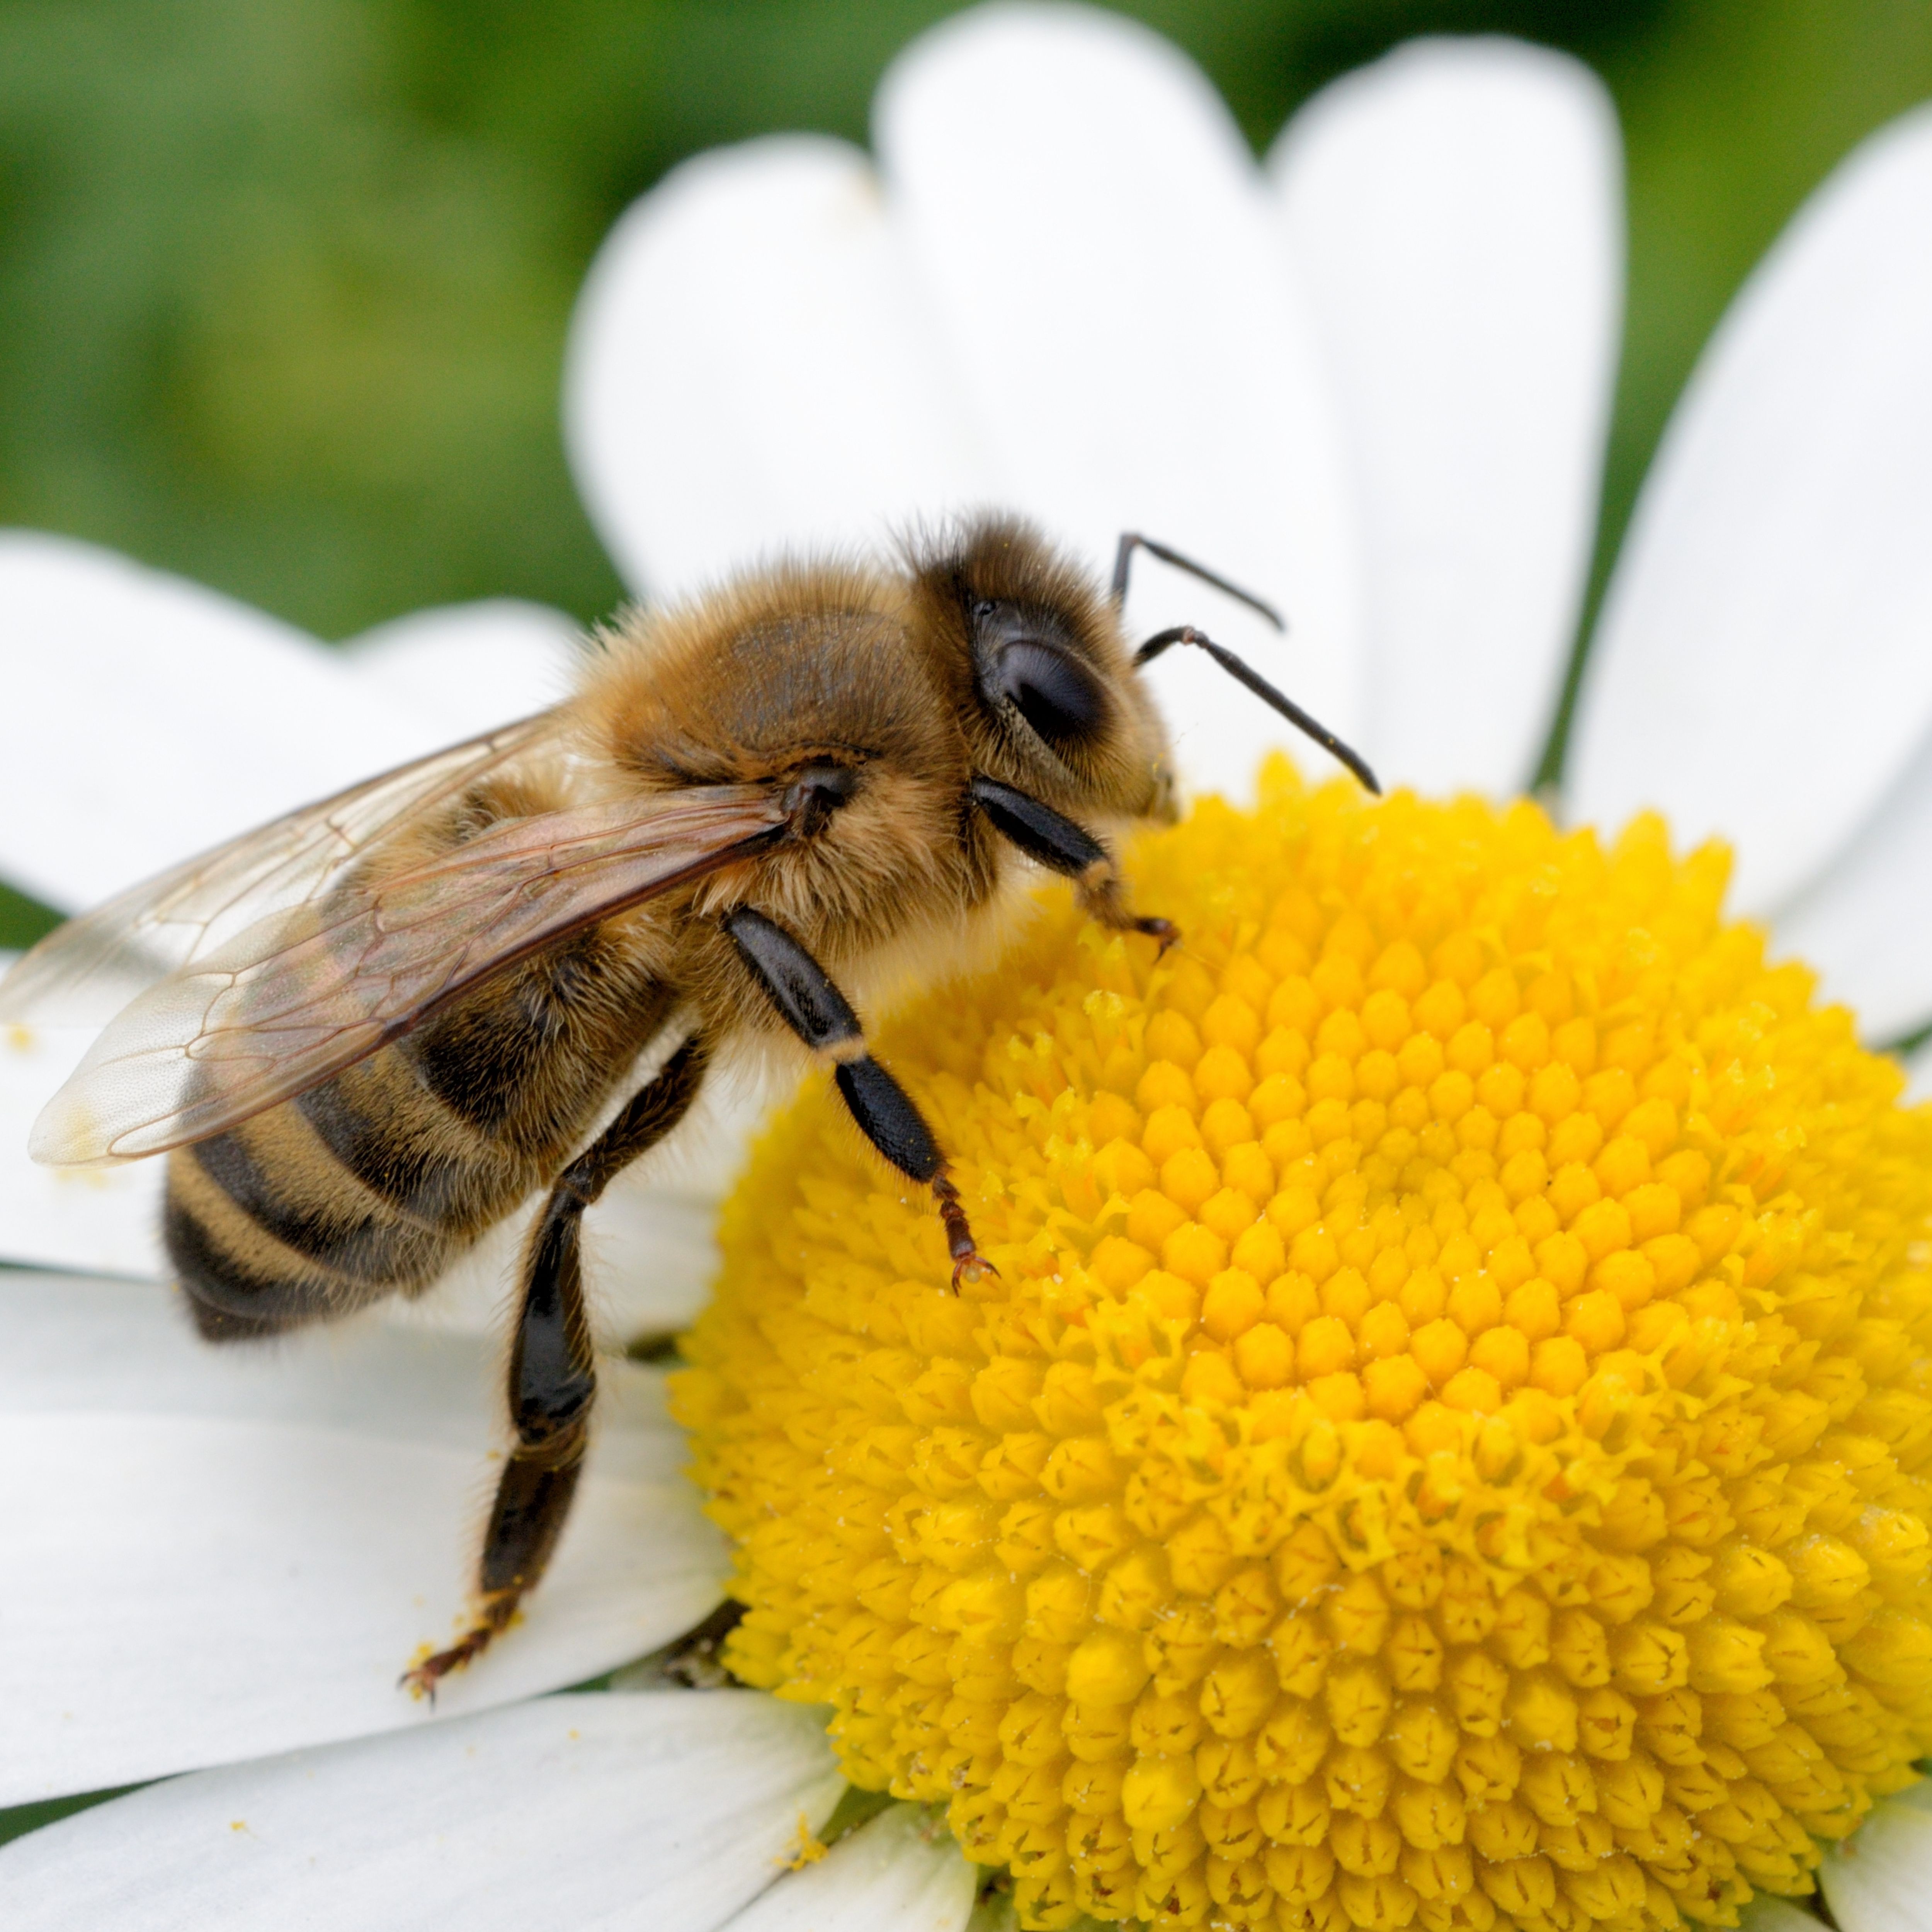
point(1056, 696)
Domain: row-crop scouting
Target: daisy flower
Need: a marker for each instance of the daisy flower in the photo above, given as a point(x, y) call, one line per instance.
point(1370, 378)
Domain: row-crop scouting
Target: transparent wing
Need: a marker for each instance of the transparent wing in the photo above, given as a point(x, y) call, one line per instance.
point(310, 990)
point(83, 973)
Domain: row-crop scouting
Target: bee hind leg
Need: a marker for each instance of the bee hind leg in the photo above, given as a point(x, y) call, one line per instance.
point(553, 1378)
point(811, 1005)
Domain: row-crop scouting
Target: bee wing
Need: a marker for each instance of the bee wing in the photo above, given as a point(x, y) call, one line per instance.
point(83, 973)
point(311, 989)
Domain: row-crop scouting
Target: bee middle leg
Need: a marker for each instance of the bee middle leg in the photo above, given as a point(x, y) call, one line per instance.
point(811, 1005)
point(1070, 850)
point(553, 1379)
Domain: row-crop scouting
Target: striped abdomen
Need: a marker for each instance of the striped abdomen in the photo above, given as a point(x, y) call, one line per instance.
point(377, 1181)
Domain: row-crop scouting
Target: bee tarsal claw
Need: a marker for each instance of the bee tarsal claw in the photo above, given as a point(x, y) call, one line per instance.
point(968, 1264)
point(421, 1680)
point(972, 1266)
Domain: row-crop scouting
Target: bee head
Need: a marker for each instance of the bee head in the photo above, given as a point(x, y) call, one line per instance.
point(1045, 688)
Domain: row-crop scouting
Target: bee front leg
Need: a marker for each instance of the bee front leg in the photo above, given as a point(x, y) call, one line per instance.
point(553, 1378)
point(1070, 850)
point(807, 1000)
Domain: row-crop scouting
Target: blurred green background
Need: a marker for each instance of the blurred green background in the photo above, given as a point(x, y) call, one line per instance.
point(283, 283)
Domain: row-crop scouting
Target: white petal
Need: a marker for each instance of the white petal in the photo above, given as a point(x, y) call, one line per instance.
point(650, 1258)
point(650, 1255)
point(899, 1872)
point(747, 370)
point(651, 1243)
point(216, 1553)
point(1761, 669)
point(1456, 208)
point(665, 1810)
point(102, 1219)
point(1099, 255)
point(1866, 923)
point(465, 668)
point(1879, 1880)
point(146, 718)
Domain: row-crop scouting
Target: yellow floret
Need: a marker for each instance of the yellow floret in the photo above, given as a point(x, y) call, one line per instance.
point(1448, 1443)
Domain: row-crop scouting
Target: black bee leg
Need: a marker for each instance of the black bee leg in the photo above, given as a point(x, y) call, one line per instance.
point(553, 1378)
point(814, 1008)
point(1071, 850)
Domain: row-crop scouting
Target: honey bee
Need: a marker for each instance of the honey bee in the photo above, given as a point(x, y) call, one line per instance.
point(367, 1032)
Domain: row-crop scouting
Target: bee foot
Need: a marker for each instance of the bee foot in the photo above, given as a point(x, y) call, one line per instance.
point(971, 1267)
point(420, 1680)
point(1164, 932)
point(968, 1264)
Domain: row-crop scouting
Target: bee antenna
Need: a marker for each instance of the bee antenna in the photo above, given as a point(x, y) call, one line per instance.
point(1186, 634)
point(1132, 541)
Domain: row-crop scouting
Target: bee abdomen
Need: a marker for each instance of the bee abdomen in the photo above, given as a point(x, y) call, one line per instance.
point(235, 1291)
point(261, 1241)
point(369, 1122)
point(377, 1181)
point(341, 1236)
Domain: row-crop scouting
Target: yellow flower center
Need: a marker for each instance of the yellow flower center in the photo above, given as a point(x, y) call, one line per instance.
point(1448, 1443)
